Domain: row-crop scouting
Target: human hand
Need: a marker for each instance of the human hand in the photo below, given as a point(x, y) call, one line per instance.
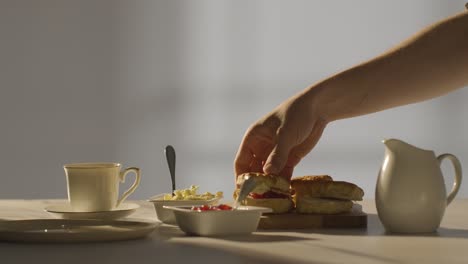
point(277, 142)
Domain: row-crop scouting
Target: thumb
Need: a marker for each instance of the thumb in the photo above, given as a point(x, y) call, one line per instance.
point(277, 158)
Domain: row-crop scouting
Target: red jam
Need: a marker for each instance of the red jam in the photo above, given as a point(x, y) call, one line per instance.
point(221, 207)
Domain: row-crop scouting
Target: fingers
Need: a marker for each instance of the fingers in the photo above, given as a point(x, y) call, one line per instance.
point(243, 159)
point(287, 172)
point(256, 165)
point(251, 156)
point(253, 151)
point(278, 157)
point(305, 147)
point(275, 151)
point(285, 155)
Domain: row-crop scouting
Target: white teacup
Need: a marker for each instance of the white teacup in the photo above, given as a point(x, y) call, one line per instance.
point(95, 186)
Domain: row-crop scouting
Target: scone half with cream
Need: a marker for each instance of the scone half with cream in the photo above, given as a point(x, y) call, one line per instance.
point(270, 191)
point(320, 194)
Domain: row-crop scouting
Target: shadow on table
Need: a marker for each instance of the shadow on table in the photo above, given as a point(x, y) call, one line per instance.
point(143, 251)
point(268, 236)
point(166, 232)
point(375, 228)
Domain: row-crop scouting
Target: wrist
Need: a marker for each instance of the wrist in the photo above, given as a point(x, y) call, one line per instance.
point(319, 101)
point(344, 95)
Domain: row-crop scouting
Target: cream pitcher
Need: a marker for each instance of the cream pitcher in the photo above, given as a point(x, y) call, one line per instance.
point(410, 192)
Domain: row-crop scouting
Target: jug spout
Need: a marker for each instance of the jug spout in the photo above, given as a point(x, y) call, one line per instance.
point(392, 144)
point(395, 145)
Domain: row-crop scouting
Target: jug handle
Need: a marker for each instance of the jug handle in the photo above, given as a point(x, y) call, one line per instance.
point(458, 174)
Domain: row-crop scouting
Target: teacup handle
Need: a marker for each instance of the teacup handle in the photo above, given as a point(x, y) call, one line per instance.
point(458, 175)
point(133, 187)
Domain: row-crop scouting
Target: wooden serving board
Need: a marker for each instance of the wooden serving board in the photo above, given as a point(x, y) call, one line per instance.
point(354, 219)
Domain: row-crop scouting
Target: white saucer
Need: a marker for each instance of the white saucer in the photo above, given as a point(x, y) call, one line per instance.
point(65, 211)
point(61, 230)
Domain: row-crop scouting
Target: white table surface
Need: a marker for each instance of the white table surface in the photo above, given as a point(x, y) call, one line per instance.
point(167, 244)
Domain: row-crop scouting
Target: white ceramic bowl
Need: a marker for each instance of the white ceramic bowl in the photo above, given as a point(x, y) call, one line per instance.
point(167, 216)
point(243, 220)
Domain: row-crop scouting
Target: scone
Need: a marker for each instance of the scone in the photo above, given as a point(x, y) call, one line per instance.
point(321, 195)
point(327, 189)
point(312, 205)
point(270, 191)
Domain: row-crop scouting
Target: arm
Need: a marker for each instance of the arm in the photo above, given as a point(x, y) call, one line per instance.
point(430, 64)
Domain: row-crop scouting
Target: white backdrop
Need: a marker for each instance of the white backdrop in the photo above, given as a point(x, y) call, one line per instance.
point(119, 80)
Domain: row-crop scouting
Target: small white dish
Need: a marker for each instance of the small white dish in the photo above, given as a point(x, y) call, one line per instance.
point(70, 231)
point(241, 221)
point(167, 216)
point(65, 211)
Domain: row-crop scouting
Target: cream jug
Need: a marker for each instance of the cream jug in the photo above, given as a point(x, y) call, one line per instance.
point(410, 192)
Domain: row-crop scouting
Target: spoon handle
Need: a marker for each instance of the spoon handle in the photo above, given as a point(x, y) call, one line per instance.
point(171, 162)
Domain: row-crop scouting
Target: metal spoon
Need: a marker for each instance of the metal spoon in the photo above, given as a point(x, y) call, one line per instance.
point(171, 162)
point(247, 186)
